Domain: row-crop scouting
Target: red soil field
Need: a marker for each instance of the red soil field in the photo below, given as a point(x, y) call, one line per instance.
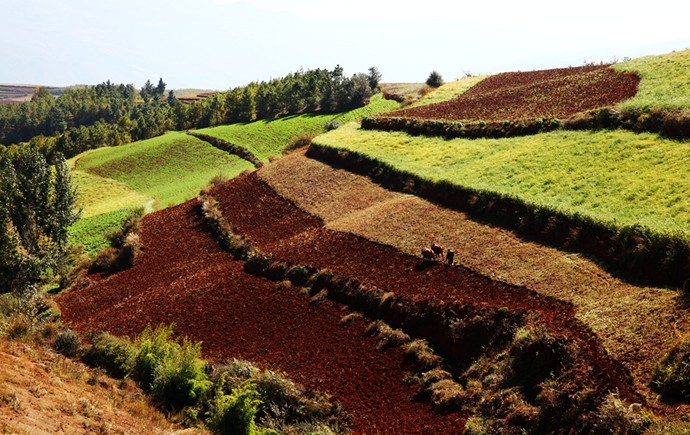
point(184, 277)
point(555, 93)
point(260, 213)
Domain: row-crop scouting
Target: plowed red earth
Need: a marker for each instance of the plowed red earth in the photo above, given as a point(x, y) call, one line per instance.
point(555, 93)
point(260, 213)
point(183, 277)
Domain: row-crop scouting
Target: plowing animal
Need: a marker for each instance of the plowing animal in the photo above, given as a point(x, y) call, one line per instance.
point(428, 254)
point(435, 253)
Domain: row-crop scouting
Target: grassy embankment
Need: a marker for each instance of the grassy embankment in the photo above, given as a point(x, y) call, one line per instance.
point(617, 178)
point(268, 138)
point(165, 170)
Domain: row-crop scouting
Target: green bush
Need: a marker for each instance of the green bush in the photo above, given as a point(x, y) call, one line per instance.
point(180, 379)
point(112, 354)
point(234, 413)
point(67, 343)
point(434, 80)
point(153, 346)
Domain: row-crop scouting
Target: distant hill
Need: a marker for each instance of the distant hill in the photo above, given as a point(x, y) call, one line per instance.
point(10, 93)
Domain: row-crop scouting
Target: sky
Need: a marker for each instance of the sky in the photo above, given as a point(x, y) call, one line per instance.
point(219, 44)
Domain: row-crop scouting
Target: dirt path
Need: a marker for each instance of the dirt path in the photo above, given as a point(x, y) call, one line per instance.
point(184, 277)
point(635, 324)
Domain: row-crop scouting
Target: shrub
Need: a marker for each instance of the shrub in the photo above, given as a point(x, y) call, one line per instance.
point(112, 354)
point(615, 417)
point(179, 379)
point(446, 394)
point(421, 354)
point(152, 347)
point(434, 80)
point(535, 356)
point(234, 413)
point(331, 125)
point(67, 343)
point(671, 377)
point(387, 336)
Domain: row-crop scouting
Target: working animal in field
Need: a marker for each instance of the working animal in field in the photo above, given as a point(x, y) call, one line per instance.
point(437, 250)
point(428, 254)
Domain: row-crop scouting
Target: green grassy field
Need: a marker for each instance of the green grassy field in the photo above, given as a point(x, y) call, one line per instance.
point(170, 168)
point(268, 138)
point(664, 81)
point(616, 177)
point(98, 195)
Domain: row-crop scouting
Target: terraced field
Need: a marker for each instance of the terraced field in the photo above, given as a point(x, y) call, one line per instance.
point(353, 204)
point(556, 93)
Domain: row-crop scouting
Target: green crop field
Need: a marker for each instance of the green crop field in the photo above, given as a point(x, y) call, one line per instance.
point(91, 231)
point(170, 168)
point(268, 138)
point(664, 81)
point(618, 178)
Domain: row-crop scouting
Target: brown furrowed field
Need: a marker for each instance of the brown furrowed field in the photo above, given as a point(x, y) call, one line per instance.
point(556, 93)
point(653, 316)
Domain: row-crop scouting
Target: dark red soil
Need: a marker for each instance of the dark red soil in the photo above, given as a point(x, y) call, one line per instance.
point(555, 93)
point(258, 212)
point(183, 277)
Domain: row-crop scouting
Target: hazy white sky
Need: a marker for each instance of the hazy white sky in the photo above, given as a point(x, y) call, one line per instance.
point(224, 43)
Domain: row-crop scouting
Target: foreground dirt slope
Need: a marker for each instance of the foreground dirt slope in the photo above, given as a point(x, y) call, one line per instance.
point(44, 393)
point(636, 325)
point(184, 277)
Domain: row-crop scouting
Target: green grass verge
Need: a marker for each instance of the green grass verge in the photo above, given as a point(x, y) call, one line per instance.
point(170, 168)
point(91, 231)
point(664, 81)
point(268, 138)
point(616, 178)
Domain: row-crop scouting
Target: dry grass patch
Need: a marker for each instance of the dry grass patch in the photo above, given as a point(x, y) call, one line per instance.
point(50, 394)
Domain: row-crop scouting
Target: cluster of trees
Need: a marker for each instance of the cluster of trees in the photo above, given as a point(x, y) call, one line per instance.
point(110, 115)
point(37, 204)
